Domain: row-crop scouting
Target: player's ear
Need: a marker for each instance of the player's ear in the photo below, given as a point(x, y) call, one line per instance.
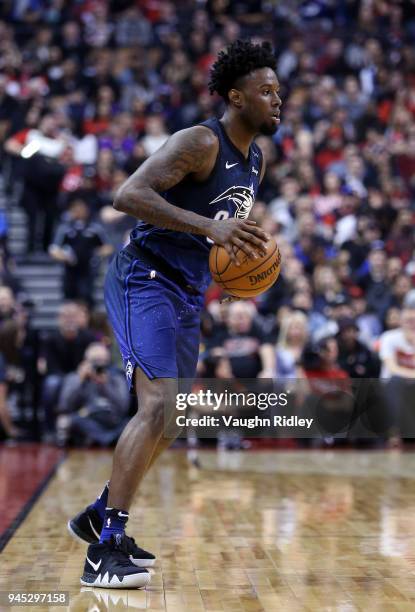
point(235, 97)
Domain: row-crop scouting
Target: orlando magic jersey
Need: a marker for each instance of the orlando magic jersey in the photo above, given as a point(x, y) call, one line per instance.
point(229, 191)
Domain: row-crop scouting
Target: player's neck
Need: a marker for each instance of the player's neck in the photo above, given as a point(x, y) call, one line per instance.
point(240, 135)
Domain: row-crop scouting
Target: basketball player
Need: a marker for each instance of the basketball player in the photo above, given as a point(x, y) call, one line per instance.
point(198, 189)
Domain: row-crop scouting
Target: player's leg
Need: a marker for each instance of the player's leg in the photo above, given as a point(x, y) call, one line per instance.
point(140, 438)
point(133, 454)
point(87, 525)
point(109, 562)
point(144, 318)
point(187, 351)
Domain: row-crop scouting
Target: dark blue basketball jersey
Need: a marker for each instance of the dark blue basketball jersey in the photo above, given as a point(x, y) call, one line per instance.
point(229, 191)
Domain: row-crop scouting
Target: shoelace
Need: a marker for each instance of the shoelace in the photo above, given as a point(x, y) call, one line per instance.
point(119, 550)
point(130, 543)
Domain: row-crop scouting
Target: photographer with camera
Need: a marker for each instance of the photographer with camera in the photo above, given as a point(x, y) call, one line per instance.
point(94, 401)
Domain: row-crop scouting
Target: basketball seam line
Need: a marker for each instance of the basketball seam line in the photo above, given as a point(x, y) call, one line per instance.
point(251, 288)
point(253, 269)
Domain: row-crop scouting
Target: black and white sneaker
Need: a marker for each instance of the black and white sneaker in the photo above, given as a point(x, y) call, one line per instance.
point(108, 565)
point(87, 526)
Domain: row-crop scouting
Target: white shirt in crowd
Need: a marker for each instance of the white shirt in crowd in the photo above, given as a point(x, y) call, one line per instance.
point(394, 345)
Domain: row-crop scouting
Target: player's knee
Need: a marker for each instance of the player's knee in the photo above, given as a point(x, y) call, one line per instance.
point(151, 415)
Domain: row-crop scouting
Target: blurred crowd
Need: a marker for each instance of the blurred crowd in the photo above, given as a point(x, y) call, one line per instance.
point(90, 88)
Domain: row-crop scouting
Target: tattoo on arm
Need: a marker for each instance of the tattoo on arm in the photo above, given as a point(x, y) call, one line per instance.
point(185, 153)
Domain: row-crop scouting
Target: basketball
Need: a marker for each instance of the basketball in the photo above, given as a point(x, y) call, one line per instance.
point(252, 276)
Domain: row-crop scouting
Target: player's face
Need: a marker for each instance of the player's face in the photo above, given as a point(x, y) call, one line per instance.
point(261, 101)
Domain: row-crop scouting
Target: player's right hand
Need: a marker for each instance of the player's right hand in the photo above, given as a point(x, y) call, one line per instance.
point(234, 234)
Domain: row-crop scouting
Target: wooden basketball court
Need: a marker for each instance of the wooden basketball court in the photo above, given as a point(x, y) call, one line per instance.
point(247, 532)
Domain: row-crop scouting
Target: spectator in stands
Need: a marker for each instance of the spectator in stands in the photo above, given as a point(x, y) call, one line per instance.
point(292, 339)
point(19, 347)
point(40, 150)
point(354, 356)
point(116, 225)
point(328, 387)
point(374, 282)
point(94, 401)
point(61, 353)
point(326, 287)
point(155, 134)
point(400, 288)
point(397, 353)
point(250, 353)
point(392, 318)
point(397, 347)
point(321, 360)
point(77, 242)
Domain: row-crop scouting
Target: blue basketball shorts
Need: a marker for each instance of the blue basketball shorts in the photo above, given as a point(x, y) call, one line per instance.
point(156, 323)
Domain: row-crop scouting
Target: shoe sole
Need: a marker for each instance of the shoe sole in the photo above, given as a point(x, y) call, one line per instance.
point(142, 562)
point(82, 537)
point(133, 581)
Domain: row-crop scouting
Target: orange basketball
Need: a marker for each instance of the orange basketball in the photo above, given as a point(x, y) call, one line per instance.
point(252, 276)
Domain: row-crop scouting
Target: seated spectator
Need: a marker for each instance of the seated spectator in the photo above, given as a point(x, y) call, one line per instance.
point(326, 287)
point(354, 356)
point(328, 395)
point(292, 339)
point(76, 243)
point(392, 318)
point(401, 240)
point(251, 354)
point(369, 323)
point(397, 353)
point(155, 134)
point(400, 288)
point(367, 232)
point(94, 401)
point(374, 282)
point(321, 360)
point(61, 353)
point(115, 223)
point(303, 301)
point(397, 347)
point(19, 351)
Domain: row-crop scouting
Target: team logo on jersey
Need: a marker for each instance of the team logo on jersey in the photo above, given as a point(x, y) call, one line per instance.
point(241, 196)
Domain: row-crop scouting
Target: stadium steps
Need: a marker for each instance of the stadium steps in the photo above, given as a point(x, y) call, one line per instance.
point(39, 275)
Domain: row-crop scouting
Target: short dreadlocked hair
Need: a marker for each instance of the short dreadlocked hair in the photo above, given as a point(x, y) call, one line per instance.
point(239, 59)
